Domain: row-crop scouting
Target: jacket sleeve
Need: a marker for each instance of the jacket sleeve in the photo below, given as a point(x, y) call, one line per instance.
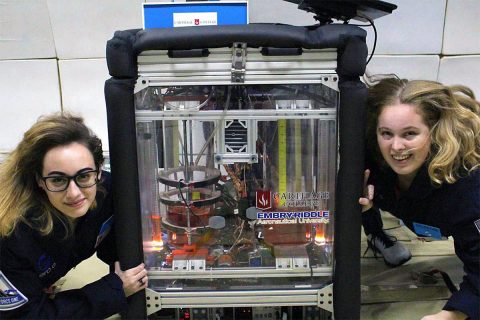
point(97, 300)
point(467, 299)
point(107, 250)
point(466, 235)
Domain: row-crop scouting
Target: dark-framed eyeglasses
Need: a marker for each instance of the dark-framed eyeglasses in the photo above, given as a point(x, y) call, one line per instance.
point(58, 183)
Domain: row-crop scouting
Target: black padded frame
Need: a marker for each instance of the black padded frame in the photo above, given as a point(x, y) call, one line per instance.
point(122, 52)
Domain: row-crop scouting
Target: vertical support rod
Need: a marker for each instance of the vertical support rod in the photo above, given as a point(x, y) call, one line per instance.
point(351, 119)
point(125, 184)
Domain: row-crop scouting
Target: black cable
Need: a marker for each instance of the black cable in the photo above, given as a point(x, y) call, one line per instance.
point(374, 39)
point(180, 182)
point(179, 187)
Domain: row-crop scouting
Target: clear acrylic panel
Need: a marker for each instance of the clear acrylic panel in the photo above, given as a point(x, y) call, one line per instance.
point(237, 185)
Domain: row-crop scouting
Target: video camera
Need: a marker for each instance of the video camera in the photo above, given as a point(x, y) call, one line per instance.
point(327, 10)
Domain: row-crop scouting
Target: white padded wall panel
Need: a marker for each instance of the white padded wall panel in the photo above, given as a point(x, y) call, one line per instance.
point(278, 11)
point(29, 88)
point(82, 27)
point(415, 27)
point(82, 92)
point(423, 67)
point(25, 31)
point(462, 27)
point(461, 70)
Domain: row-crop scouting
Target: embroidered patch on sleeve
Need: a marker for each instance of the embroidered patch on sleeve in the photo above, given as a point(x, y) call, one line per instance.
point(477, 224)
point(10, 297)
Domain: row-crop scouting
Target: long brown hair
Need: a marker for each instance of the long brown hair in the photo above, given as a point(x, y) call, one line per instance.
point(20, 170)
point(451, 113)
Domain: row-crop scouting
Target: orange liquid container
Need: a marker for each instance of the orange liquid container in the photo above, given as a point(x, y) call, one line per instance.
point(177, 216)
point(320, 238)
point(287, 234)
point(156, 227)
point(179, 238)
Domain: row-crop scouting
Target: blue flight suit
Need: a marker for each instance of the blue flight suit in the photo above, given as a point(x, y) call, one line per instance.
point(32, 263)
point(453, 208)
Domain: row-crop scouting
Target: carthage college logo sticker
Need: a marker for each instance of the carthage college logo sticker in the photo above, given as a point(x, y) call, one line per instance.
point(188, 19)
point(263, 199)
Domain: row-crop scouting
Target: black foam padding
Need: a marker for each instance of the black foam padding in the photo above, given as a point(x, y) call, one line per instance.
point(125, 188)
point(123, 49)
point(352, 58)
point(346, 280)
point(255, 35)
point(121, 60)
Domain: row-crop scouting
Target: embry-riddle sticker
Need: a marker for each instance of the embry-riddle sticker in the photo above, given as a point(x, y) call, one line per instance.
point(10, 297)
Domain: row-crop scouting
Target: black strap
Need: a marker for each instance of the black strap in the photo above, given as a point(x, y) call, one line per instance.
point(446, 278)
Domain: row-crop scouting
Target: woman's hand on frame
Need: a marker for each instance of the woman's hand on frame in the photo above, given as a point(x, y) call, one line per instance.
point(134, 279)
point(368, 192)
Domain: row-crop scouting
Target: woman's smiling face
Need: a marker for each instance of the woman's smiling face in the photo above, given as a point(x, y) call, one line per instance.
point(403, 139)
point(69, 160)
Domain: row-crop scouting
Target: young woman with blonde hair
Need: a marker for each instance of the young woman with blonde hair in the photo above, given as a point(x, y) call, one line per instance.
point(424, 141)
point(55, 211)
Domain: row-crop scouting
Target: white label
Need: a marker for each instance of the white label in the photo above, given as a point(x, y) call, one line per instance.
point(188, 19)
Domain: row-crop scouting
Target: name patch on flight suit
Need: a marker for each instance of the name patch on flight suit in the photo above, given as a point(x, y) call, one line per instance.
point(104, 230)
point(10, 297)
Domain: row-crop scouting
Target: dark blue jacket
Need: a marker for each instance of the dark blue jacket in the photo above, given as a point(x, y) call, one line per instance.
point(32, 262)
point(455, 210)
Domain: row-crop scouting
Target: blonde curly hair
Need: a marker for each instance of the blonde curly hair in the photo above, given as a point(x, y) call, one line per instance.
point(451, 113)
